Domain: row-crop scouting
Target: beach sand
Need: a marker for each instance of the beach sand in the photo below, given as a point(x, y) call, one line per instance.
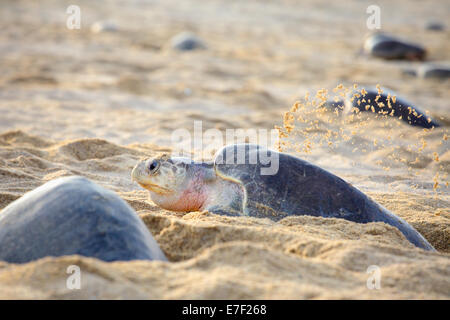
point(75, 102)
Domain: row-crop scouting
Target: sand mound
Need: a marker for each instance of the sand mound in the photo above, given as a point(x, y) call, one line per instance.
point(239, 270)
point(20, 138)
point(85, 149)
point(186, 237)
point(29, 161)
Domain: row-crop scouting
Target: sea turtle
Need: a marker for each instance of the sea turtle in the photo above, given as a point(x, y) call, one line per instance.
point(388, 47)
point(73, 215)
point(386, 102)
point(249, 180)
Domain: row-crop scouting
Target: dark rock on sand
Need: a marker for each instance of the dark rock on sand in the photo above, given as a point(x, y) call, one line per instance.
point(434, 71)
point(430, 71)
point(434, 26)
point(104, 26)
point(187, 41)
point(388, 47)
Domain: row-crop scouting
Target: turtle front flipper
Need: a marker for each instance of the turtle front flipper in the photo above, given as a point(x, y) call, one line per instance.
point(226, 197)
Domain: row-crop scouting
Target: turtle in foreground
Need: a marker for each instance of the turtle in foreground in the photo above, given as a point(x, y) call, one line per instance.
point(382, 104)
point(249, 180)
point(73, 215)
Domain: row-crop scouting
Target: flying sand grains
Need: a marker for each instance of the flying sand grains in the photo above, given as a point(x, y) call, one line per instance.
point(288, 121)
point(436, 181)
point(339, 87)
point(380, 91)
point(436, 157)
point(295, 107)
point(424, 144)
point(310, 126)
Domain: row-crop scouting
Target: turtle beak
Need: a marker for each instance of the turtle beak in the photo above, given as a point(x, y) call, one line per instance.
point(138, 171)
point(140, 174)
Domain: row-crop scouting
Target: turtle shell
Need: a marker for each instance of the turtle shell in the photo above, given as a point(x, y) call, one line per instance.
point(299, 188)
point(296, 188)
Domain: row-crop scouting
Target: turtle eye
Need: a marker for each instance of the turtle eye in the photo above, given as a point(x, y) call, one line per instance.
point(154, 165)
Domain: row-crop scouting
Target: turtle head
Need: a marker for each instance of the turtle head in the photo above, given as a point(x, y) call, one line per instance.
point(158, 175)
point(176, 184)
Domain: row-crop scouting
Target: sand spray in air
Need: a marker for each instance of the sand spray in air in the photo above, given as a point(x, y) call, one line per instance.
point(314, 127)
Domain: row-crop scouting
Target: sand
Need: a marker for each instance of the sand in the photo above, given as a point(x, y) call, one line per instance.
point(74, 102)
